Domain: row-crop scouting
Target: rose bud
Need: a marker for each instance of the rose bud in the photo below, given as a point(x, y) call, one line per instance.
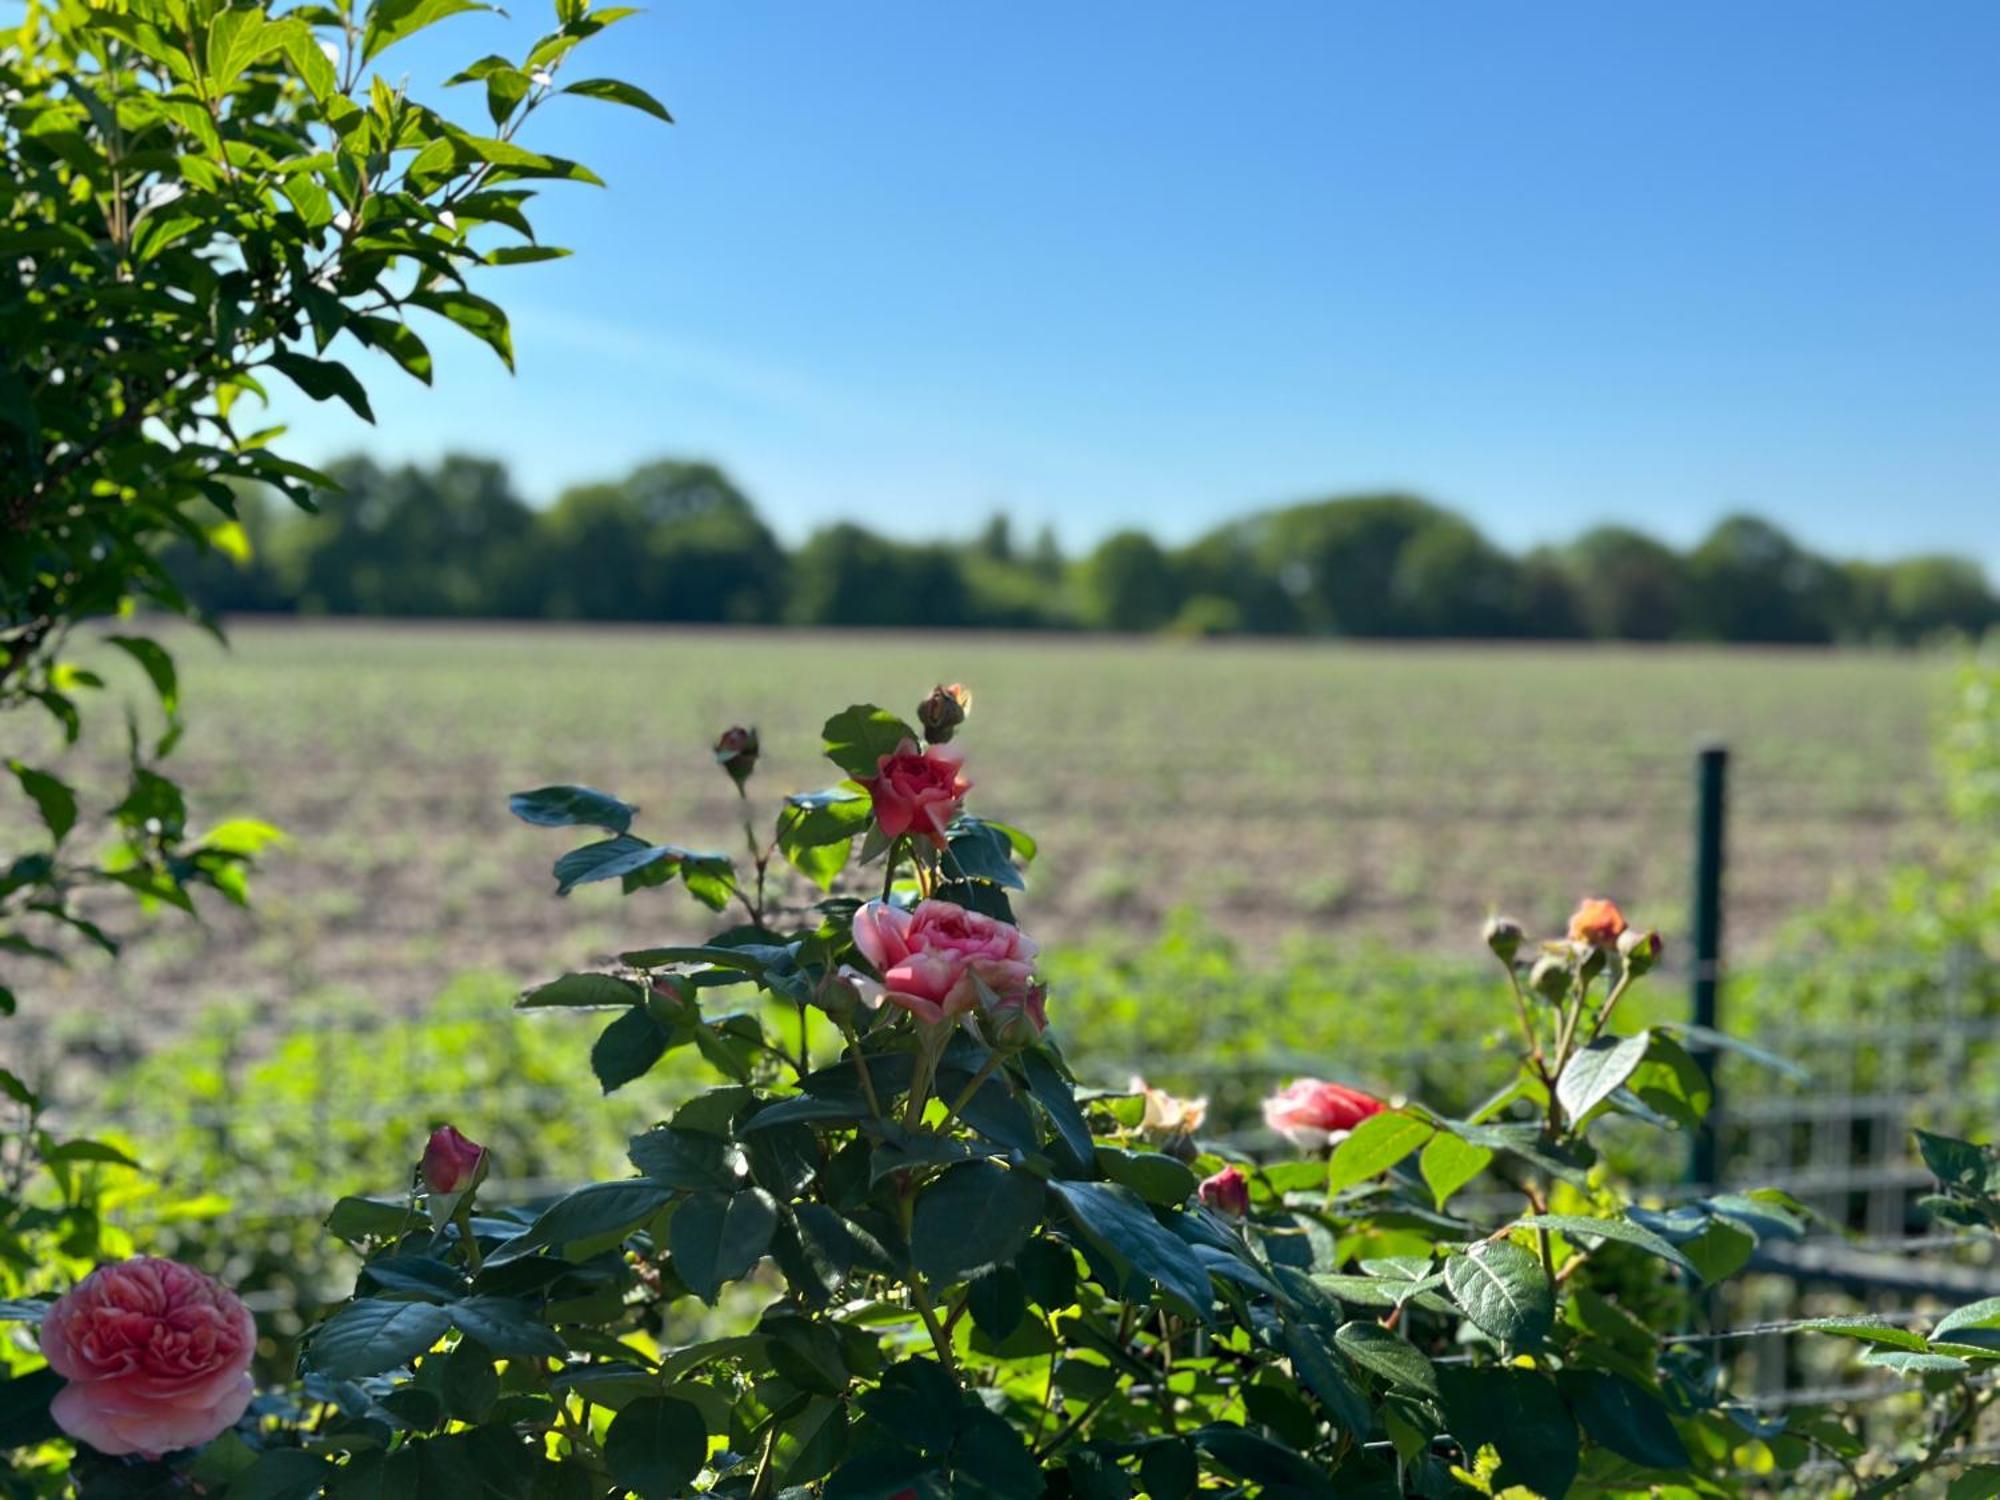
point(736, 753)
point(1550, 977)
point(1312, 1113)
point(156, 1356)
point(943, 712)
point(1503, 936)
point(452, 1163)
point(1640, 950)
point(1227, 1192)
point(1016, 1018)
point(1597, 922)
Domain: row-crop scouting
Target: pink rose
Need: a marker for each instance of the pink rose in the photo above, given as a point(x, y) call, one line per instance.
point(1227, 1192)
point(157, 1357)
point(1310, 1113)
point(918, 791)
point(452, 1162)
point(928, 958)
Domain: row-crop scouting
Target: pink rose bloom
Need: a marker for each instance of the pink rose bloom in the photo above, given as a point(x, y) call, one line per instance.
point(1227, 1192)
point(1311, 1114)
point(452, 1162)
point(918, 791)
point(928, 958)
point(157, 1357)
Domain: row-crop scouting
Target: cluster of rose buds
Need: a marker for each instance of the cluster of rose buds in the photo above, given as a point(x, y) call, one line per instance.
point(1596, 928)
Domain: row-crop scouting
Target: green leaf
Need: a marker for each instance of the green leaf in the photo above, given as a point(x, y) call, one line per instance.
point(389, 21)
point(1673, 1083)
point(1053, 1093)
point(281, 1474)
point(371, 1336)
point(611, 90)
point(566, 806)
point(816, 831)
point(24, 1409)
point(1598, 1071)
point(974, 1216)
point(1976, 1324)
point(983, 853)
point(507, 1326)
point(583, 992)
point(1521, 1415)
point(717, 1238)
point(1449, 1163)
point(1118, 1220)
point(1153, 1175)
point(611, 859)
point(628, 1048)
point(1869, 1331)
point(1978, 1482)
point(1326, 1375)
point(1374, 1146)
point(1381, 1352)
point(1505, 1292)
point(482, 319)
point(1624, 1417)
point(856, 739)
point(1960, 1165)
point(158, 665)
point(397, 340)
point(53, 799)
point(655, 1446)
point(1622, 1230)
point(685, 1159)
point(323, 379)
point(603, 1211)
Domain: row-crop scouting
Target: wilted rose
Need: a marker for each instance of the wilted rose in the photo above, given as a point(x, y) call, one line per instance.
point(1597, 922)
point(736, 752)
point(928, 957)
point(156, 1356)
point(1312, 1113)
point(1166, 1118)
point(1227, 1192)
point(942, 712)
point(918, 791)
point(452, 1162)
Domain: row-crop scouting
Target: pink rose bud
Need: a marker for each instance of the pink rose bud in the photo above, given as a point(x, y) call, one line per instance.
point(452, 1163)
point(156, 1354)
point(1017, 1018)
point(944, 711)
point(1597, 922)
point(918, 791)
point(736, 753)
point(1311, 1113)
point(1227, 1192)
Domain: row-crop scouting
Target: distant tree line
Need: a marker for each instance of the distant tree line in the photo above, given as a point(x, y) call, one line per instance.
point(679, 542)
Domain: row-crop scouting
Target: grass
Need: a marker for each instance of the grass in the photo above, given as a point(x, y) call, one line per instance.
point(1371, 798)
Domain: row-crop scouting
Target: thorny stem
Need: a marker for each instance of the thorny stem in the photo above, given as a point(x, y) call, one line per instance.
point(861, 1068)
point(1074, 1425)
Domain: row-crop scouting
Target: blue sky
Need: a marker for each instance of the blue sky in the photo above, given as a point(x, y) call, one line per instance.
point(1153, 263)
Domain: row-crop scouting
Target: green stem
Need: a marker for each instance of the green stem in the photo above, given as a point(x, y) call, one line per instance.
point(986, 1071)
point(861, 1068)
point(940, 1340)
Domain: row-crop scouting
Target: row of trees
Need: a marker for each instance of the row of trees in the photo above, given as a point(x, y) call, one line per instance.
point(680, 542)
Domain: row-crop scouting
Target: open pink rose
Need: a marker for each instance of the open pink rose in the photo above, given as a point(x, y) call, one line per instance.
point(157, 1357)
point(928, 957)
point(918, 791)
point(1310, 1113)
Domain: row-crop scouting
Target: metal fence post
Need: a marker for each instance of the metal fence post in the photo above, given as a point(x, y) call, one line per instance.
point(1712, 776)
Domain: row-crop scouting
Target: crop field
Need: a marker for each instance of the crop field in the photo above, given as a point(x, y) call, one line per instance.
point(1362, 797)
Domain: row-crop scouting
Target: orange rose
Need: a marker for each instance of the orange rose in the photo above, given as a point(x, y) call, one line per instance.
point(1597, 922)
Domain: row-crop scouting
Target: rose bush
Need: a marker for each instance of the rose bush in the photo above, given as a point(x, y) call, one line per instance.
point(900, 1251)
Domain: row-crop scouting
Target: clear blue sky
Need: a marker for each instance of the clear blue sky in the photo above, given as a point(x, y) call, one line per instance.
point(1121, 263)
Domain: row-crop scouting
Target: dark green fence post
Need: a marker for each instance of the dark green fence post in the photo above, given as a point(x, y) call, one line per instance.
point(1712, 776)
